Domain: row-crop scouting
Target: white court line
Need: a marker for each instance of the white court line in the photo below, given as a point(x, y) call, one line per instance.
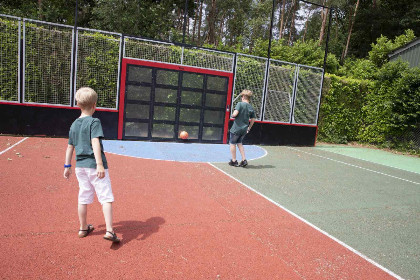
point(352, 165)
point(315, 227)
point(265, 153)
point(337, 153)
point(2, 152)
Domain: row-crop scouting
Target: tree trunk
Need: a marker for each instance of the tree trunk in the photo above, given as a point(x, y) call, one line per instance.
point(306, 25)
point(292, 24)
point(350, 30)
point(211, 19)
point(287, 17)
point(336, 26)
point(40, 9)
point(195, 21)
point(200, 17)
point(324, 16)
point(283, 8)
point(222, 21)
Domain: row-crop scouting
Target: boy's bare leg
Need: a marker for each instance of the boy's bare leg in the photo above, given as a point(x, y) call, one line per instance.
point(233, 151)
point(242, 151)
point(107, 209)
point(82, 210)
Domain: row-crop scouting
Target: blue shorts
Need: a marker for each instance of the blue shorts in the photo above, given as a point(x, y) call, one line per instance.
point(236, 139)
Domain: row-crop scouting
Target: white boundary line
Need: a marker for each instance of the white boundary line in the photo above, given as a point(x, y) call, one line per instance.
point(337, 153)
point(352, 165)
point(315, 227)
point(2, 152)
point(265, 152)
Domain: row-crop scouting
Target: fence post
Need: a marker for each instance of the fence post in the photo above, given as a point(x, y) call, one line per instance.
point(20, 63)
point(234, 83)
point(268, 63)
point(23, 70)
point(73, 58)
point(292, 111)
point(325, 62)
point(122, 49)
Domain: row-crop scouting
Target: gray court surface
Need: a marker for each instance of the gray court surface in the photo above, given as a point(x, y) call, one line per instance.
point(369, 205)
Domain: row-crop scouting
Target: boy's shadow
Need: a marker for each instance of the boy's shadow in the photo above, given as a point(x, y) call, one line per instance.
point(135, 230)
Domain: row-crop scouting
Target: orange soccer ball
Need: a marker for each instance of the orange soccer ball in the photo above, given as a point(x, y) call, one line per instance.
point(183, 135)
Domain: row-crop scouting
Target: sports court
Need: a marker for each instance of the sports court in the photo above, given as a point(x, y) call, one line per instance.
point(320, 212)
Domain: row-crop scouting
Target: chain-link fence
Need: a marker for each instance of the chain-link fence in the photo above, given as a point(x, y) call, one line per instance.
point(9, 58)
point(307, 95)
point(408, 139)
point(280, 89)
point(250, 74)
point(152, 50)
point(97, 64)
point(209, 59)
point(57, 60)
point(47, 54)
point(170, 53)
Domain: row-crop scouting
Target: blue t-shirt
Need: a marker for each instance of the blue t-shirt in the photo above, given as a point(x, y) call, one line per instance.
point(246, 112)
point(82, 131)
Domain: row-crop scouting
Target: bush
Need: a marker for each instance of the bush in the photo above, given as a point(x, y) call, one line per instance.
point(392, 109)
point(341, 108)
point(307, 53)
point(358, 69)
point(379, 53)
point(9, 59)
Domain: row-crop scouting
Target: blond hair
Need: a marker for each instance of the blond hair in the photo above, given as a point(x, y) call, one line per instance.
point(246, 93)
point(86, 97)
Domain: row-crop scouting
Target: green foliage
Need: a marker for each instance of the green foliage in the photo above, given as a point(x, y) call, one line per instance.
point(9, 60)
point(98, 66)
point(379, 53)
point(388, 18)
point(341, 108)
point(307, 53)
point(151, 19)
point(392, 111)
point(358, 69)
point(47, 64)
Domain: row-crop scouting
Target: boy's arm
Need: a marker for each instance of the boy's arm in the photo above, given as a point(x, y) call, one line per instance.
point(250, 125)
point(96, 146)
point(69, 155)
point(235, 113)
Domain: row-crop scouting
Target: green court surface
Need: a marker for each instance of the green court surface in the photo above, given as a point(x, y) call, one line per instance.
point(408, 163)
point(368, 199)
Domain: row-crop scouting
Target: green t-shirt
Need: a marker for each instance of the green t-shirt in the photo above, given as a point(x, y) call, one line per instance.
point(82, 131)
point(246, 112)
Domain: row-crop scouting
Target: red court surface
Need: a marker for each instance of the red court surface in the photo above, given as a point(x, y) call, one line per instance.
point(177, 221)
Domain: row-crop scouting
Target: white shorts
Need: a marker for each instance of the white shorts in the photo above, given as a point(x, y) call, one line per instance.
point(89, 183)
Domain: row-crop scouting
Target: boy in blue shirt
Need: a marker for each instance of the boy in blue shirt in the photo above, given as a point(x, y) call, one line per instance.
point(85, 137)
point(241, 126)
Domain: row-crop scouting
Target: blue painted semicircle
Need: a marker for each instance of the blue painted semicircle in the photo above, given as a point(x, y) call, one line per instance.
point(184, 152)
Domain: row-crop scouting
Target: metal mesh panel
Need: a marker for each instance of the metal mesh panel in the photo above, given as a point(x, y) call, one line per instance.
point(97, 64)
point(48, 60)
point(307, 95)
point(9, 58)
point(250, 74)
point(279, 98)
point(408, 139)
point(208, 59)
point(152, 50)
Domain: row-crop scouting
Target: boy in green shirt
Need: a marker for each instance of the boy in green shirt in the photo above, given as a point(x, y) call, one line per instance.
point(241, 126)
point(85, 137)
